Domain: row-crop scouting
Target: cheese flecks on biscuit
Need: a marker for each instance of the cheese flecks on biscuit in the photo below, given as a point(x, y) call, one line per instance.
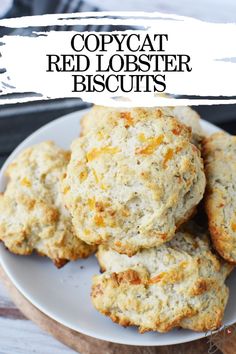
point(32, 216)
point(219, 151)
point(180, 284)
point(131, 186)
point(100, 115)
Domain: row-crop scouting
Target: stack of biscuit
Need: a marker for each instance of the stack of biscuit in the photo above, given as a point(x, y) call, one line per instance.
point(130, 189)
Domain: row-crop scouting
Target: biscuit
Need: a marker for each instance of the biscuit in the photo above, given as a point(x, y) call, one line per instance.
point(132, 186)
point(32, 216)
point(219, 151)
point(99, 115)
point(191, 118)
point(179, 284)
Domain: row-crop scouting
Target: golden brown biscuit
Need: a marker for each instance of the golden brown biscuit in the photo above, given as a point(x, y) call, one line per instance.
point(179, 284)
point(132, 183)
point(32, 216)
point(99, 116)
point(219, 151)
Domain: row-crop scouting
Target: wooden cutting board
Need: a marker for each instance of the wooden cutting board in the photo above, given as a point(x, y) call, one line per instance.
point(83, 344)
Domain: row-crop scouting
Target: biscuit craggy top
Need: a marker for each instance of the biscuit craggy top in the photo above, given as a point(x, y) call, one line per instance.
point(131, 183)
point(99, 116)
point(180, 284)
point(32, 216)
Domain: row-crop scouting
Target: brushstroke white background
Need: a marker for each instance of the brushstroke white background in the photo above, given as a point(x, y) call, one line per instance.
point(212, 48)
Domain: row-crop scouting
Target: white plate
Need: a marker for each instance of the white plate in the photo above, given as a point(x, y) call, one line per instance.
point(64, 294)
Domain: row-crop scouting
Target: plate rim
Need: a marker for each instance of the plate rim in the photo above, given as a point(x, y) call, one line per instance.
point(34, 302)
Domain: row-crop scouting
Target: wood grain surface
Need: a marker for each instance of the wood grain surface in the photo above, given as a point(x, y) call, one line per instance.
point(18, 335)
